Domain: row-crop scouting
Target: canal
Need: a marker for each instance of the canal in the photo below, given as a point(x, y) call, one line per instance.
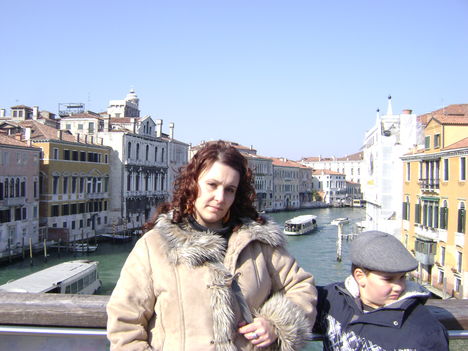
point(316, 252)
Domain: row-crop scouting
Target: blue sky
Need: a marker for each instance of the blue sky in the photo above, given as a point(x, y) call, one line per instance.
point(291, 78)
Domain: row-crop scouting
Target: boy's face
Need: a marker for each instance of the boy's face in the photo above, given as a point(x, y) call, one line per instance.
point(378, 289)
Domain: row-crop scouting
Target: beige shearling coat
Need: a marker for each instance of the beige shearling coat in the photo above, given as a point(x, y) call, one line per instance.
point(174, 292)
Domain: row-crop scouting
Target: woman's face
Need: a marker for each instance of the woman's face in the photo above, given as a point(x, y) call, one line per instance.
point(217, 186)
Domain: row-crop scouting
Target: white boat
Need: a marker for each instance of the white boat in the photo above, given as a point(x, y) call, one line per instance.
point(342, 220)
point(300, 225)
point(72, 277)
point(116, 237)
point(83, 247)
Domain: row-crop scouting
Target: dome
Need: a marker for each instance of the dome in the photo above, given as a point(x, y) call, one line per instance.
point(132, 96)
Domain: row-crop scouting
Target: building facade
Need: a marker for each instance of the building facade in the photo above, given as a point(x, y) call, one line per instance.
point(384, 144)
point(19, 197)
point(434, 202)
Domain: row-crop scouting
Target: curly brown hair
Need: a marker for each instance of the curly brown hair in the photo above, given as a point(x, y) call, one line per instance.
point(186, 184)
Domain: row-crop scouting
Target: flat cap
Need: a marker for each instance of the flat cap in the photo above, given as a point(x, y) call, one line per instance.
point(379, 251)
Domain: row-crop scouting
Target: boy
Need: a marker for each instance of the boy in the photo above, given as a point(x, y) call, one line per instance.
point(376, 308)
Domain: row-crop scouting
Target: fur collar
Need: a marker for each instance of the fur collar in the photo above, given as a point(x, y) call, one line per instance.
point(185, 245)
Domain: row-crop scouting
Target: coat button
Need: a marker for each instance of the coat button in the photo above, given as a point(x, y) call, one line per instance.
point(395, 323)
point(212, 342)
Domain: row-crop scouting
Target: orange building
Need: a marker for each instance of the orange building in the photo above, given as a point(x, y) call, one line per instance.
point(435, 197)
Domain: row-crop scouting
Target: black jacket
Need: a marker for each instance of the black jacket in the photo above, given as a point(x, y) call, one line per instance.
point(405, 324)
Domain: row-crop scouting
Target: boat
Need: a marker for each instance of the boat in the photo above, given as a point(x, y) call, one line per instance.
point(300, 225)
point(72, 277)
point(115, 237)
point(340, 220)
point(83, 247)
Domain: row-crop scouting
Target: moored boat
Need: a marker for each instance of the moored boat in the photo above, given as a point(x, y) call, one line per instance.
point(115, 237)
point(300, 225)
point(83, 247)
point(72, 277)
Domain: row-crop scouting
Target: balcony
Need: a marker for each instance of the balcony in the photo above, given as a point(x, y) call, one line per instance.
point(430, 185)
point(460, 239)
point(426, 232)
point(14, 201)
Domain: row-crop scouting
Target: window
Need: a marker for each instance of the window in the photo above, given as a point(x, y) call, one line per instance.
point(461, 218)
point(55, 154)
point(55, 211)
point(129, 150)
point(427, 142)
point(406, 209)
point(441, 277)
point(459, 261)
point(65, 185)
point(91, 127)
point(156, 154)
point(137, 151)
point(82, 156)
point(147, 152)
point(55, 184)
point(442, 255)
point(463, 168)
point(408, 171)
point(443, 215)
point(417, 213)
point(75, 155)
point(66, 154)
point(68, 126)
point(80, 126)
point(446, 169)
point(436, 140)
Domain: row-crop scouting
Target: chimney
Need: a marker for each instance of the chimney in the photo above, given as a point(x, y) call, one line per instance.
point(407, 111)
point(27, 133)
point(59, 134)
point(35, 112)
point(171, 130)
point(2, 112)
point(159, 123)
point(106, 123)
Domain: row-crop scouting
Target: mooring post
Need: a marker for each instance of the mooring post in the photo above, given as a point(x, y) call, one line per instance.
point(338, 241)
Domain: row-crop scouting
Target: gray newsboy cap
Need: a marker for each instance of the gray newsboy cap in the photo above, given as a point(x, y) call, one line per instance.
point(379, 251)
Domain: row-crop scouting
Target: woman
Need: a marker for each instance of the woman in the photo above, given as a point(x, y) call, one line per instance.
point(208, 264)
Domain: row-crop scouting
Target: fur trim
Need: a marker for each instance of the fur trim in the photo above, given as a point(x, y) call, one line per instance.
point(224, 323)
point(269, 233)
point(191, 247)
point(289, 320)
point(188, 246)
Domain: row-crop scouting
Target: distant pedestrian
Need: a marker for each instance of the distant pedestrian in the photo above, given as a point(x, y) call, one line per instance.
point(376, 308)
point(211, 274)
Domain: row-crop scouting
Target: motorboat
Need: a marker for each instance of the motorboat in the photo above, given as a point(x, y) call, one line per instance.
point(300, 225)
point(72, 277)
point(340, 220)
point(83, 247)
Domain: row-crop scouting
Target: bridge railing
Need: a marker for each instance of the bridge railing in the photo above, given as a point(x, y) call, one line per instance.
point(78, 322)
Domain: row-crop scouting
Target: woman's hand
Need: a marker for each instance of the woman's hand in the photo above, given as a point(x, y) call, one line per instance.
point(260, 332)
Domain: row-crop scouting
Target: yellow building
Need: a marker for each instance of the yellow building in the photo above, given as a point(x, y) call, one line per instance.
point(435, 198)
point(73, 182)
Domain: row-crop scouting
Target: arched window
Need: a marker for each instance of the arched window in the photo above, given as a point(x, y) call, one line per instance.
point(461, 224)
point(138, 151)
point(6, 187)
point(129, 150)
point(147, 152)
